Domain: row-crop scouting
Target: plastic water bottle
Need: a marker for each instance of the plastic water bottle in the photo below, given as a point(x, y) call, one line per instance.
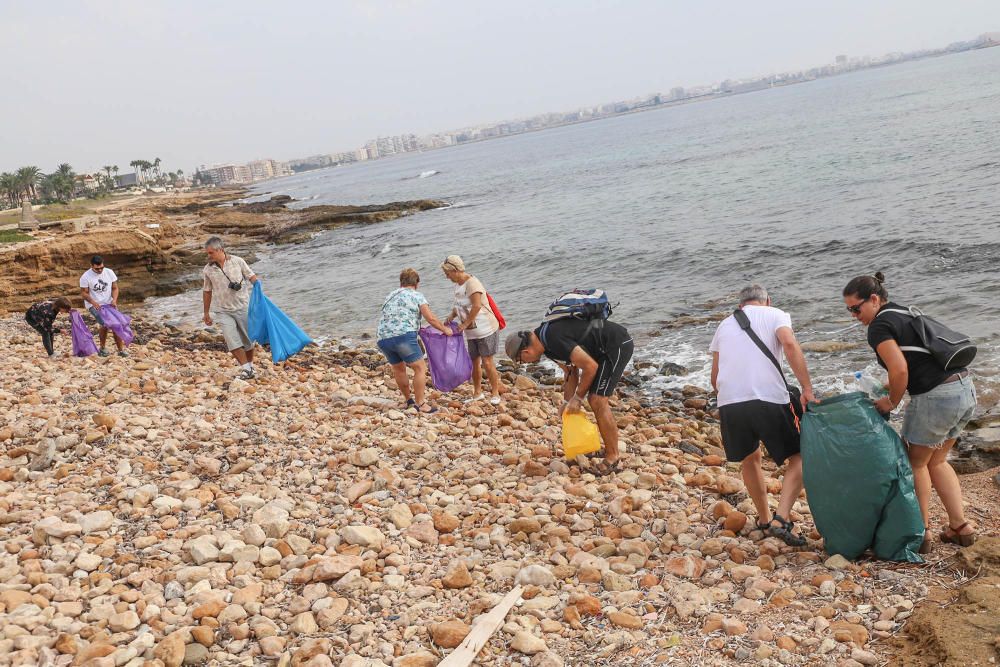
point(870, 385)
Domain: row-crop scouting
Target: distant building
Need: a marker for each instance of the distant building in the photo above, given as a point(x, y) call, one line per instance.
point(261, 170)
point(126, 180)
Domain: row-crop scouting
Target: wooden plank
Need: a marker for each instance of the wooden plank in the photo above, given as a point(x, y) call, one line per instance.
point(484, 628)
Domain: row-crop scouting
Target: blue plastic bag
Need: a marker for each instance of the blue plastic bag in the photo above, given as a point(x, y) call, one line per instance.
point(83, 339)
point(448, 357)
point(859, 481)
point(269, 326)
point(119, 323)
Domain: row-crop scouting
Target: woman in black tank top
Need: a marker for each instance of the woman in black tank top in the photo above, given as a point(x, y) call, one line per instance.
point(941, 402)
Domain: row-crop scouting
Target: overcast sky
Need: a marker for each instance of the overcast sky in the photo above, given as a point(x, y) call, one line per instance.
point(94, 82)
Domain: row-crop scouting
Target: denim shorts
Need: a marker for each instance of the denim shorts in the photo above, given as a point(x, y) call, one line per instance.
point(401, 349)
point(940, 414)
point(97, 316)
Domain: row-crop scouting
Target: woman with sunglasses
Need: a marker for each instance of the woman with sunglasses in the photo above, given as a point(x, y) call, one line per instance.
point(941, 402)
point(479, 325)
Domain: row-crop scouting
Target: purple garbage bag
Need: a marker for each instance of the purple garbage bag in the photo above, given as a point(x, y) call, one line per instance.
point(448, 357)
point(118, 322)
point(83, 340)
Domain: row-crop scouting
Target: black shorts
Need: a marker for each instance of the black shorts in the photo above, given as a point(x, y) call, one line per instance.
point(745, 425)
point(617, 353)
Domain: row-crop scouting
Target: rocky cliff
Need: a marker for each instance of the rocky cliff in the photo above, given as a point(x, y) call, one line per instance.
point(154, 244)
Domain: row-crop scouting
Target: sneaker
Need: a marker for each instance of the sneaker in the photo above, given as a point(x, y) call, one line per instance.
point(122, 353)
point(495, 400)
point(478, 397)
point(247, 374)
point(102, 352)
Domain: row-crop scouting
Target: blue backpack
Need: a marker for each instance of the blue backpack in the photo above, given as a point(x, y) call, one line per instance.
point(581, 304)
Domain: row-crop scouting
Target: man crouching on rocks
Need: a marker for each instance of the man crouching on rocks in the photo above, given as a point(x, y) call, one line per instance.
point(593, 355)
point(754, 403)
point(226, 293)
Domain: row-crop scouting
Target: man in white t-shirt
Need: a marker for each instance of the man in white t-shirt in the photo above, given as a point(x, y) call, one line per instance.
point(99, 287)
point(754, 404)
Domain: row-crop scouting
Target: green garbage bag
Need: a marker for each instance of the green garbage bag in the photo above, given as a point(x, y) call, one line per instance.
point(859, 481)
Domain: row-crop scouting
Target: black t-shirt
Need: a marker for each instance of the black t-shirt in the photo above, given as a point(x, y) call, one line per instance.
point(924, 372)
point(561, 336)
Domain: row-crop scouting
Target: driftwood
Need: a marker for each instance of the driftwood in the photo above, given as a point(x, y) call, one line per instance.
point(481, 632)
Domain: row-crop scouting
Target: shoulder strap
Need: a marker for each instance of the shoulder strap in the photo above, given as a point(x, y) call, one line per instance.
point(392, 295)
point(912, 312)
point(744, 322)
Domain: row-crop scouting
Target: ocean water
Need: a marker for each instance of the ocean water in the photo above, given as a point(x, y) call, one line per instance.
point(673, 211)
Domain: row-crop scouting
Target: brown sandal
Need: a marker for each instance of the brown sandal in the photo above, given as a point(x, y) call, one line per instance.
point(957, 537)
point(603, 468)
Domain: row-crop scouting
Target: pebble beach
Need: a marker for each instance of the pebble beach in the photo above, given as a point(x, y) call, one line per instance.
point(157, 511)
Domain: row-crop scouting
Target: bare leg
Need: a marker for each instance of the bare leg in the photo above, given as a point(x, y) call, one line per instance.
point(402, 381)
point(919, 458)
point(118, 342)
point(492, 375)
point(607, 425)
point(945, 482)
point(240, 354)
point(419, 380)
point(249, 354)
point(753, 478)
point(477, 376)
point(103, 335)
point(791, 485)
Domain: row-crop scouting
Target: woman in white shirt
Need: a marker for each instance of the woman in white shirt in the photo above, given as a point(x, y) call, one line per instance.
point(478, 324)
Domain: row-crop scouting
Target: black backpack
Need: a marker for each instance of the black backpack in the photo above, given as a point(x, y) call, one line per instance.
point(950, 349)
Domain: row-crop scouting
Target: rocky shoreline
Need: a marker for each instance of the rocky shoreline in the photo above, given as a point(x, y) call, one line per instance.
point(157, 511)
point(154, 243)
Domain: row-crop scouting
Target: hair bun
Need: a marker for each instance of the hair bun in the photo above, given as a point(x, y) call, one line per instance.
point(879, 278)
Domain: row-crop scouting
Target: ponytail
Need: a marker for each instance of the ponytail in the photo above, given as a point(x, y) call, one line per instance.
point(864, 286)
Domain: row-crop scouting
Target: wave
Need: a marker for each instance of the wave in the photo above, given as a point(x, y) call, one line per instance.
point(428, 174)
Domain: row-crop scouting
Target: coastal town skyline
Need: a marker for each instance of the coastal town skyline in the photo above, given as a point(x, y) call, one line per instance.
point(433, 66)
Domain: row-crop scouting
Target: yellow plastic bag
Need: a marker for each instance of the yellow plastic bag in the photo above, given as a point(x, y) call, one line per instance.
point(579, 435)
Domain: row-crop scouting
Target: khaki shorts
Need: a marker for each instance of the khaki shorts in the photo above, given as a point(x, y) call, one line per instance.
point(234, 329)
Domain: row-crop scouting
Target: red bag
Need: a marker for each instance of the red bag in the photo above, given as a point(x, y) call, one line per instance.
point(496, 311)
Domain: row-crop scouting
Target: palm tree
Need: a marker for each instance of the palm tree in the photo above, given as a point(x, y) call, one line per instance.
point(28, 177)
point(156, 166)
point(10, 188)
point(135, 165)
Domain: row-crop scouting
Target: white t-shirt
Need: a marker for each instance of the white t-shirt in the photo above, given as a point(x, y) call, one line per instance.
point(745, 374)
point(99, 285)
point(485, 324)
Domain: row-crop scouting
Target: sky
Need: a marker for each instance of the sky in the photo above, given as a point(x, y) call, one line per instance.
point(96, 82)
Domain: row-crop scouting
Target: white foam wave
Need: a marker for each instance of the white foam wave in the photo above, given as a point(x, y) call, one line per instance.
point(428, 174)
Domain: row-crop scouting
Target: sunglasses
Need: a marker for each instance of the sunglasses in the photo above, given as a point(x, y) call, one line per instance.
point(856, 308)
point(525, 337)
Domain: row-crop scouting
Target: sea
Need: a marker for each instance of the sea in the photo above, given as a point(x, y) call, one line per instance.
point(672, 211)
